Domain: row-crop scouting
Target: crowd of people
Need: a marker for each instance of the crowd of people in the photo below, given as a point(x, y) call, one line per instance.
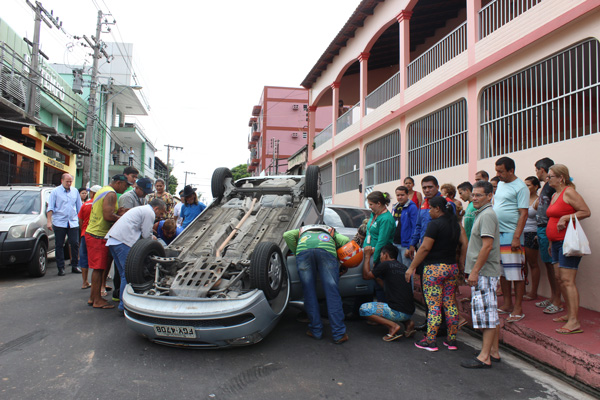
point(490, 240)
point(103, 223)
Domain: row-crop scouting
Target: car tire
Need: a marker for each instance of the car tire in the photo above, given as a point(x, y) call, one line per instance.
point(312, 183)
point(217, 183)
point(267, 269)
point(139, 269)
point(37, 266)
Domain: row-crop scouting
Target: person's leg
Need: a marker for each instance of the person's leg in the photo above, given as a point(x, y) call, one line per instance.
point(519, 293)
point(306, 263)
point(116, 281)
point(73, 234)
point(119, 254)
point(433, 298)
point(531, 257)
point(83, 263)
point(449, 299)
point(506, 289)
point(486, 345)
point(546, 256)
point(59, 252)
point(567, 277)
point(374, 312)
point(330, 276)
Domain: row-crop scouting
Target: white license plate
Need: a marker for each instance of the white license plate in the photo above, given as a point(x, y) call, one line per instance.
point(175, 331)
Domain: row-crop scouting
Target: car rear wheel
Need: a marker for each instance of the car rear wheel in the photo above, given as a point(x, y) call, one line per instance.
point(267, 269)
point(139, 268)
point(37, 266)
point(217, 183)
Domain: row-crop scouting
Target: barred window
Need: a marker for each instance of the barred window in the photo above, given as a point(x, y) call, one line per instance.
point(326, 181)
point(438, 140)
point(551, 101)
point(382, 158)
point(346, 172)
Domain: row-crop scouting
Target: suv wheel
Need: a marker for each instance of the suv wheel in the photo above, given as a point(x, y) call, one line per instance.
point(267, 269)
point(139, 269)
point(37, 266)
point(217, 183)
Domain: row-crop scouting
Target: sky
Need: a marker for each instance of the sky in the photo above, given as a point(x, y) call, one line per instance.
point(202, 64)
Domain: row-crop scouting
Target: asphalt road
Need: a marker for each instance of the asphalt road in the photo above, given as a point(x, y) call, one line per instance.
point(53, 346)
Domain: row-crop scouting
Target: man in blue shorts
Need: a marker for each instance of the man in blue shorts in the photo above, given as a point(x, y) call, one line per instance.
point(400, 306)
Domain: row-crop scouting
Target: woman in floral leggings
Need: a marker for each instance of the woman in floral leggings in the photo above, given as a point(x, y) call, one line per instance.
point(438, 253)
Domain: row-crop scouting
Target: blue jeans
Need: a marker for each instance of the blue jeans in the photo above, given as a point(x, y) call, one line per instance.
point(59, 251)
point(119, 253)
point(309, 262)
point(83, 259)
point(406, 261)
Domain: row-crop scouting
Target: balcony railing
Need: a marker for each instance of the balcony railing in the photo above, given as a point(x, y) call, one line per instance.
point(323, 136)
point(501, 12)
point(348, 118)
point(383, 93)
point(440, 53)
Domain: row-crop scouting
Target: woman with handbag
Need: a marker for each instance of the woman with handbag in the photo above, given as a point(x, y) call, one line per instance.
point(566, 204)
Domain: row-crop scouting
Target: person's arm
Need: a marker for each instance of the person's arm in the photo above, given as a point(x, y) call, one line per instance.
point(367, 274)
point(147, 224)
point(108, 207)
point(424, 250)
point(464, 243)
point(340, 240)
point(576, 201)
point(416, 236)
point(50, 209)
point(516, 241)
point(291, 239)
point(486, 248)
point(387, 227)
point(78, 203)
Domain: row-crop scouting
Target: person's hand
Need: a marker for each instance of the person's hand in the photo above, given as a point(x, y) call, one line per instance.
point(410, 253)
point(369, 250)
point(409, 273)
point(473, 277)
point(563, 222)
point(121, 211)
point(515, 245)
point(343, 270)
point(49, 225)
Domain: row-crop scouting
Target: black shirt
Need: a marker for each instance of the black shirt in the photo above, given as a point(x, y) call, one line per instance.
point(398, 292)
point(543, 203)
point(444, 248)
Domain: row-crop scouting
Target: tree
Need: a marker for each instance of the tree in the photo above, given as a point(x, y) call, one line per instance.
point(172, 184)
point(240, 171)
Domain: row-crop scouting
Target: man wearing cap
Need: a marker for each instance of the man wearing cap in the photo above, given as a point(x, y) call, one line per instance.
point(84, 220)
point(134, 224)
point(103, 215)
point(137, 196)
point(63, 206)
point(191, 206)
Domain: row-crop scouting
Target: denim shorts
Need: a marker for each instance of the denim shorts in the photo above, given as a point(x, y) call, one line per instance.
point(563, 261)
point(544, 244)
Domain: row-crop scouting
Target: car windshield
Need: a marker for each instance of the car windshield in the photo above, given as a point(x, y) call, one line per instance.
point(345, 217)
point(19, 202)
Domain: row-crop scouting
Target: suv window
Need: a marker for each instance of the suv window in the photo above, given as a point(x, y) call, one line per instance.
point(19, 202)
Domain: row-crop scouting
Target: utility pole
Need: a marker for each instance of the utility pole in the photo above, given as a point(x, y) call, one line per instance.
point(98, 46)
point(186, 174)
point(169, 147)
point(41, 14)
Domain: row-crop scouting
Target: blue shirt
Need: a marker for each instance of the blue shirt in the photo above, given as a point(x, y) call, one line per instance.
point(509, 198)
point(190, 211)
point(161, 235)
point(64, 206)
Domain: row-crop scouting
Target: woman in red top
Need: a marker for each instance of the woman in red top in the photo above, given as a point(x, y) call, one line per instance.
point(565, 202)
point(415, 196)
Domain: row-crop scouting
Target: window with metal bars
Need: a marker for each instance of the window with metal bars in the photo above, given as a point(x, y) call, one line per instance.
point(326, 182)
point(438, 140)
point(551, 101)
point(382, 159)
point(346, 172)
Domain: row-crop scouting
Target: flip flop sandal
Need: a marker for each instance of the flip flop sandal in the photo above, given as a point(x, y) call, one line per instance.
point(528, 298)
point(103, 293)
point(501, 311)
point(86, 286)
point(410, 333)
point(391, 338)
point(552, 309)
point(543, 304)
point(105, 307)
point(560, 319)
point(515, 317)
point(463, 323)
point(565, 331)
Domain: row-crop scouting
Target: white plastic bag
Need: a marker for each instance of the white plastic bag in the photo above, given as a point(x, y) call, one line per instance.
point(576, 243)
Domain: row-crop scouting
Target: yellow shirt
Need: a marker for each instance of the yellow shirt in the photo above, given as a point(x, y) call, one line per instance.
point(98, 226)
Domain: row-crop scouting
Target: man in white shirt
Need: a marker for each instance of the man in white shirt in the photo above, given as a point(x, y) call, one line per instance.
point(135, 223)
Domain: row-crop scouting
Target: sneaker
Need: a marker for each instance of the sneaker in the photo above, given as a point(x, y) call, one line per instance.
point(450, 344)
point(425, 345)
point(543, 304)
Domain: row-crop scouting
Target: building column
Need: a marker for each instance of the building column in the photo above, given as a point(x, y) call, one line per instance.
point(473, 8)
point(312, 123)
point(363, 58)
point(335, 96)
point(473, 128)
point(403, 19)
point(403, 148)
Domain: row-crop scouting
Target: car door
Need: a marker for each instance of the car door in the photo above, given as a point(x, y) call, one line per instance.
point(49, 233)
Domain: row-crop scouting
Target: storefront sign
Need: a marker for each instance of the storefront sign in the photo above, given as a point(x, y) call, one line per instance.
point(55, 164)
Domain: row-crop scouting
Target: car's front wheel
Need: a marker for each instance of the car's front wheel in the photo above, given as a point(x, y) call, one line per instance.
point(37, 266)
point(267, 269)
point(139, 268)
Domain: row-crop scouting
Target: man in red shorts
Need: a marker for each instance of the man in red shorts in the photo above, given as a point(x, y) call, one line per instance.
point(103, 216)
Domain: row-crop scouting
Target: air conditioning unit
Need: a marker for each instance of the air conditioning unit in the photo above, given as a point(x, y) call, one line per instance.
point(81, 135)
point(79, 164)
point(79, 156)
point(294, 134)
point(295, 107)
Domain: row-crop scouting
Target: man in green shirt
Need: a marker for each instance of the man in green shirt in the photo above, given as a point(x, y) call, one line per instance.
point(484, 269)
point(315, 247)
point(465, 191)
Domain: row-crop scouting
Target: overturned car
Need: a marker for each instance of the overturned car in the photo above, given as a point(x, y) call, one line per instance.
point(224, 281)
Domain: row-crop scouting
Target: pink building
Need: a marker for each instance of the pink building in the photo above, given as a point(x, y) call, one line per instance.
point(448, 87)
point(279, 128)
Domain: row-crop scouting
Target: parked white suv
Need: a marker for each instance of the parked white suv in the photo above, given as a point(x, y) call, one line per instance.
point(24, 238)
